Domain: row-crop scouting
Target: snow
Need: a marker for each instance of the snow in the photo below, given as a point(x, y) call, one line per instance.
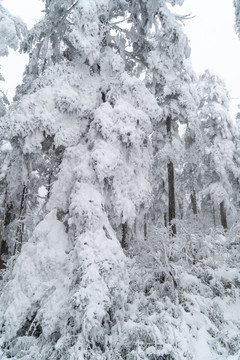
point(85, 149)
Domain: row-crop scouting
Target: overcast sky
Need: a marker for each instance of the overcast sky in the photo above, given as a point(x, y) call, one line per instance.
point(214, 42)
point(211, 33)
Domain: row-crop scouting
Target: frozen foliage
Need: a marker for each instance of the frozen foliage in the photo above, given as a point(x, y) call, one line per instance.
point(11, 31)
point(103, 122)
point(172, 81)
point(187, 297)
point(236, 4)
point(219, 167)
point(89, 272)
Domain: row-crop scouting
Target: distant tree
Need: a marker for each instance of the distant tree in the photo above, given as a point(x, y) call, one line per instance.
point(218, 139)
point(12, 30)
point(190, 175)
point(235, 180)
point(236, 4)
point(171, 79)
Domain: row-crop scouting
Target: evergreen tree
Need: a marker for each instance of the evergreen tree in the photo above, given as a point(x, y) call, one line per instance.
point(236, 4)
point(12, 29)
point(80, 137)
point(218, 138)
point(171, 79)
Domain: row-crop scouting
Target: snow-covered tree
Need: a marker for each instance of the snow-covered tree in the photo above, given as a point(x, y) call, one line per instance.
point(78, 179)
point(235, 180)
point(218, 165)
point(171, 79)
point(236, 4)
point(12, 29)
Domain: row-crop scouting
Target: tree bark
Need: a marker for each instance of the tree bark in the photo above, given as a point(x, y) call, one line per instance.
point(9, 216)
point(165, 220)
point(214, 215)
point(180, 204)
point(223, 215)
point(171, 198)
point(49, 184)
point(171, 189)
point(124, 235)
point(194, 202)
point(145, 227)
point(20, 227)
point(3, 250)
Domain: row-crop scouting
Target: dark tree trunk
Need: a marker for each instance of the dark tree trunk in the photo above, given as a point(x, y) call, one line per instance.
point(194, 202)
point(145, 227)
point(165, 220)
point(124, 235)
point(171, 189)
point(49, 184)
point(8, 218)
point(20, 227)
point(223, 215)
point(171, 198)
point(3, 251)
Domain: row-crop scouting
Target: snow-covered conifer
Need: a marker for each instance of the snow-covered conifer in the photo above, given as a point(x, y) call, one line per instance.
point(12, 30)
point(171, 79)
point(80, 136)
point(218, 134)
point(236, 4)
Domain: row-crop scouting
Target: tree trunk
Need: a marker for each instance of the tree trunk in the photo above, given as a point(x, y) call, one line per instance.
point(194, 202)
point(145, 227)
point(223, 215)
point(165, 220)
point(214, 215)
point(49, 184)
point(20, 227)
point(8, 218)
point(124, 235)
point(3, 250)
point(171, 189)
point(171, 198)
point(180, 204)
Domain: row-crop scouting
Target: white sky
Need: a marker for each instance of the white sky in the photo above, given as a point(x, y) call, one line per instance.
point(211, 33)
point(13, 66)
point(214, 42)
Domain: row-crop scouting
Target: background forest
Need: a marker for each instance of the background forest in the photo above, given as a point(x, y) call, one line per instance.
point(119, 190)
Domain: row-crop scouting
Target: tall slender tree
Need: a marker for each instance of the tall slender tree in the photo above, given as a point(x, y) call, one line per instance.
point(12, 30)
point(218, 135)
point(236, 4)
point(171, 79)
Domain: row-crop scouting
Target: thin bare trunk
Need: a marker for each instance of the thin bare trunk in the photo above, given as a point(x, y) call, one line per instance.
point(180, 204)
point(124, 235)
point(194, 202)
point(223, 215)
point(20, 227)
point(49, 184)
point(171, 189)
point(145, 227)
point(171, 197)
point(165, 220)
point(7, 219)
